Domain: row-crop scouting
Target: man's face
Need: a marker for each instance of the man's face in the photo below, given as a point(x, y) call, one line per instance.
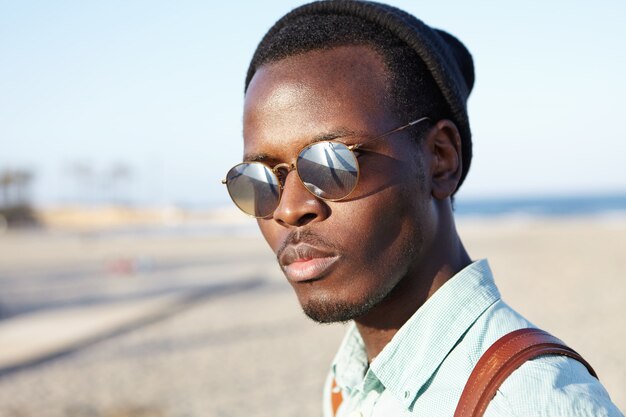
point(342, 258)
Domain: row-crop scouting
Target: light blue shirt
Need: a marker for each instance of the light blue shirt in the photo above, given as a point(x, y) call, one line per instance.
point(423, 369)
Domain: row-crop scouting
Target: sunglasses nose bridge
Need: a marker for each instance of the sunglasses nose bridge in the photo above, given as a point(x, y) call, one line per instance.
point(281, 171)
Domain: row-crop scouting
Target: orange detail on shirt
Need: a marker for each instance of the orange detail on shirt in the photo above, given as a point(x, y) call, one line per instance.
point(335, 397)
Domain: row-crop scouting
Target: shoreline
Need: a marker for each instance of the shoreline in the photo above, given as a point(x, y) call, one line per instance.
point(227, 219)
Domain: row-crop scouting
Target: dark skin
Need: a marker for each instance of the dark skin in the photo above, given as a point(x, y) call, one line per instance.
point(394, 236)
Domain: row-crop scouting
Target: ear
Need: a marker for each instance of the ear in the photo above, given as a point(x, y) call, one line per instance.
point(444, 144)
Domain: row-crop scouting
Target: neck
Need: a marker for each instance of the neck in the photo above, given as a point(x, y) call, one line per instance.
point(382, 322)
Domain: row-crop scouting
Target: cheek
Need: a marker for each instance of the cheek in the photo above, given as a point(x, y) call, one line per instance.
point(378, 229)
point(393, 201)
point(386, 232)
point(393, 224)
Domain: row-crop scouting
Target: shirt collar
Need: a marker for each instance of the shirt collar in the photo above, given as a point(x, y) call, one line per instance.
point(350, 362)
point(430, 334)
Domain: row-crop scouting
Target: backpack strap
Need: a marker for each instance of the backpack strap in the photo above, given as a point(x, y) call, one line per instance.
point(499, 361)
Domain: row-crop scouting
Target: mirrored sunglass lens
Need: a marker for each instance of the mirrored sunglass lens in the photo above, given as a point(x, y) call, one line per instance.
point(254, 188)
point(328, 169)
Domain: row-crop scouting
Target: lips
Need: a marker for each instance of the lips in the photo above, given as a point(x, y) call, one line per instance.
point(303, 262)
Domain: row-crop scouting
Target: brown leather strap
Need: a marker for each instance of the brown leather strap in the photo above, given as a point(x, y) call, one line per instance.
point(501, 359)
point(336, 398)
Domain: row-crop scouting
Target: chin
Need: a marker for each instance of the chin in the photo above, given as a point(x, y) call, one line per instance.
point(328, 309)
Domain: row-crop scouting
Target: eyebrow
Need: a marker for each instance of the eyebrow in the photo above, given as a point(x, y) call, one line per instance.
point(334, 134)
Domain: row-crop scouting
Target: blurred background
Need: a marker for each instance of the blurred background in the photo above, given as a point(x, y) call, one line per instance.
point(130, 285)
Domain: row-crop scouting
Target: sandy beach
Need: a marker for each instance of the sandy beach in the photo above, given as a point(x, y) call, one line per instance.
point(241, 346)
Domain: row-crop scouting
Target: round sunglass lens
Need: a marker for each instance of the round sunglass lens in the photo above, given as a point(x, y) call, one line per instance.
point(254, 188)
point(328, 170)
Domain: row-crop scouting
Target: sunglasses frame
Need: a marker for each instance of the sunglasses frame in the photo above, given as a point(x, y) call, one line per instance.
point(293, 167)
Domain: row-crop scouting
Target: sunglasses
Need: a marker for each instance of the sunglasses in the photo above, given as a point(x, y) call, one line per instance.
point(328, 169)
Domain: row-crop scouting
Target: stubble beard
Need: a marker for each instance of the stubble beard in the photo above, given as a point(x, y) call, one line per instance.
point(325, 310)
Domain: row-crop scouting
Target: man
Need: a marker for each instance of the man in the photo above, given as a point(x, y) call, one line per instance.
point(356, 138)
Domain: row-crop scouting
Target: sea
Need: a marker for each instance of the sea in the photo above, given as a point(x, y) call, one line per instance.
point(612, 205)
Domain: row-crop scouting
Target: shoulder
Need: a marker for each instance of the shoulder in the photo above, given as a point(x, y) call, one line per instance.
point(552, 386)
point(547, 386)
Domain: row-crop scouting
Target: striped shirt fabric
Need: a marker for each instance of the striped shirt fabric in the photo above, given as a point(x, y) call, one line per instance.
point(423, 369)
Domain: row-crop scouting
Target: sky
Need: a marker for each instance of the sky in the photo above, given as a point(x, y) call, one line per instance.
point(158, 86)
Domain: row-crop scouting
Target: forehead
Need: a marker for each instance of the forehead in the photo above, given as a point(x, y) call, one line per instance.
point(299, 98)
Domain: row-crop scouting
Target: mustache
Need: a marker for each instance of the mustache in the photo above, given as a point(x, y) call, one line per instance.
point(305, 236)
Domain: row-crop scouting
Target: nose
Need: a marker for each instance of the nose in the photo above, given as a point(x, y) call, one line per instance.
point(297, 206)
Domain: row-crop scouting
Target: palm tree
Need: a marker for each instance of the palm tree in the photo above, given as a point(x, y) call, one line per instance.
point(6, 182)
